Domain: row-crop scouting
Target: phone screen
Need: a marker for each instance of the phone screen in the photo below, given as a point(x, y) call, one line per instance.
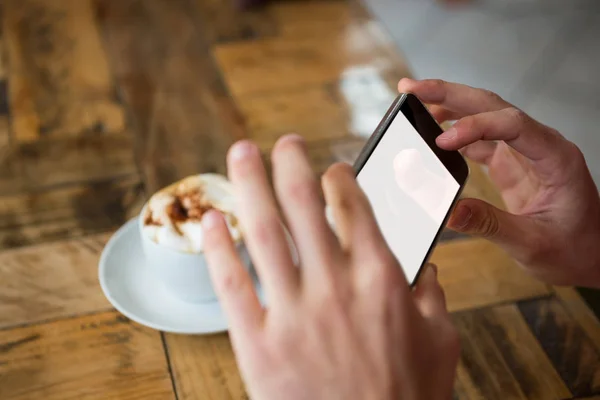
point(410, 191)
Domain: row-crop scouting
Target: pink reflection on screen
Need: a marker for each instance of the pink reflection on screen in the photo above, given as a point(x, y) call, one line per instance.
point(431, 192)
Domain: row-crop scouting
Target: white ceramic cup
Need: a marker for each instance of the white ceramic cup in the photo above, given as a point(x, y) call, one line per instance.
point(184, 274)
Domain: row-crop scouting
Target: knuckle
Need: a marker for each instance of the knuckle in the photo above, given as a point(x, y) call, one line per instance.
point(495, 97)
point(467, 124)
point(265, 230)
point(438, 83)
point(302, 192)
point(440, 87)
point(233, 284)
point(488, 226)
point(519, 116)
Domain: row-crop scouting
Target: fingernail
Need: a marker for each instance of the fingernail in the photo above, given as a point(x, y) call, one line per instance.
point(210, 220)
point(461, 217)
point(450, 134)
point(241, 150)
point(295, 137)
point(292, 137)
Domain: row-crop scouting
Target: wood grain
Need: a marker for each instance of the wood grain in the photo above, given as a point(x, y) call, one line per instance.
point(204, 367)
point(501, 359)
point(192, 76)
point(71, 211)
point(475, 273)
point(580, 312)
point(182, 112)
point(287, 63)
point(222, 22)
point(48, 163)
point(3, 62)
point(59, 80)
point(50, 281)
point(4, 136)
point(572, 352)
point(315, 113)
point(316, 18)
point(102, 356)
point(4, 122)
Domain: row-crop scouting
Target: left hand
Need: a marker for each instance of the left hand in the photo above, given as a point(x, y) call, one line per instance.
point(551, 225)
point(345, 325)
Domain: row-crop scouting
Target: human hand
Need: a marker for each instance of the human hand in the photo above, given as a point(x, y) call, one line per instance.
point(552, 226)
point(345, 324)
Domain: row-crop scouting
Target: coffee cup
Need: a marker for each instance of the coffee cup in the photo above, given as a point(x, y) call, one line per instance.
point(171, 231)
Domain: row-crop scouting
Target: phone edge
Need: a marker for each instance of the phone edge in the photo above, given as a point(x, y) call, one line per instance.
point(370, 146)
point(378, 133)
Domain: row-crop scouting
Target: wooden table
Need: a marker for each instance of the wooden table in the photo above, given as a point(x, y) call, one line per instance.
point(103, 102)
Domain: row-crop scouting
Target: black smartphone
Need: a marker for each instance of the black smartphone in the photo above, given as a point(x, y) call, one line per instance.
point(410, 182)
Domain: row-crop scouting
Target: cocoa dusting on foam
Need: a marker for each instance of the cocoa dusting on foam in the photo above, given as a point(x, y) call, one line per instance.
point(149, 219)
point(187, 206)
point(173, 215)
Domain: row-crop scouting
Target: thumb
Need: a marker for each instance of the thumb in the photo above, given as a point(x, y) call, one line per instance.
point(478, 218)
point(428, 294)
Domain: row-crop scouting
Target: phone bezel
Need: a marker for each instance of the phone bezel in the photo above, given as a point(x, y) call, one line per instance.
point(427, 127)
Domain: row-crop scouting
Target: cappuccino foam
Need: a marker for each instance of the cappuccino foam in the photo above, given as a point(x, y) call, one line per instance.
point(172, 217)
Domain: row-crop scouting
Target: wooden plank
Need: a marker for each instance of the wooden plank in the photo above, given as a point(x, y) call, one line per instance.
point(315, 18)
point(4, 135)
point(222, 22)
point(501, 359)
point(580, 312)
point(204, 367)
point(303, 59)
point(3, 61)
point(59, 79)
point(102, 356)
point(72, 211)
point(182, 111)
point(569, 348)
point(4, 122)
point(475, 273)
point(45, 164)
point(315, 112)
point(50, 281)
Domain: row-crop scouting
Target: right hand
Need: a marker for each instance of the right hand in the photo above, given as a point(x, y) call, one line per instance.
point(346, 324)
point(552, 222)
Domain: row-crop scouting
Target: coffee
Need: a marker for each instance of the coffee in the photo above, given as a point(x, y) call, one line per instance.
point(172, 217)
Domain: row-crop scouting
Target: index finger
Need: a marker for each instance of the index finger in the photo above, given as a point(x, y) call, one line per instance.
point(460, 99)
point(511, 125)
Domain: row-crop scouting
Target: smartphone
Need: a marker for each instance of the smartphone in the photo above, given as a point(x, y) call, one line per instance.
point(411, 183)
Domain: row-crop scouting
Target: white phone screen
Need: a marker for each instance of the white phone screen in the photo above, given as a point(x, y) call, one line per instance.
point(410, 191)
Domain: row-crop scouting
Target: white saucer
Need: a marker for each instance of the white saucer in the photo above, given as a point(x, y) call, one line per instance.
point(134, 291)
